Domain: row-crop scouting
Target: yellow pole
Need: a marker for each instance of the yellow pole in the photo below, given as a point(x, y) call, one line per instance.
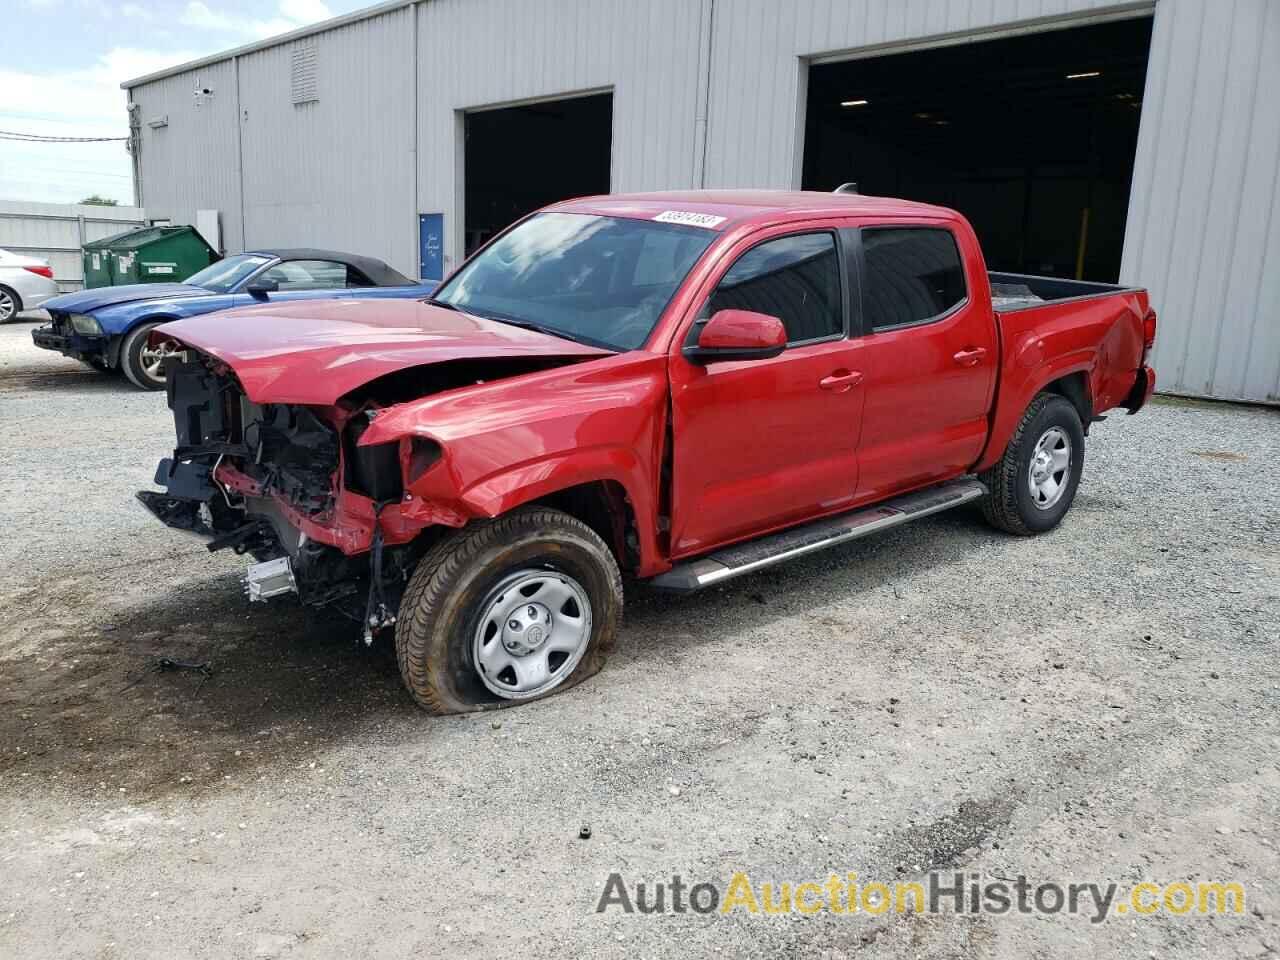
point(1084, 241)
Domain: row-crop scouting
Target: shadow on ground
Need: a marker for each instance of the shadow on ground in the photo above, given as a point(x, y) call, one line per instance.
point(91, 712)
point(79, 379)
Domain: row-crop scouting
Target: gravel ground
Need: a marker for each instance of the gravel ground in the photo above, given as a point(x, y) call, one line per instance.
point(1097, 704)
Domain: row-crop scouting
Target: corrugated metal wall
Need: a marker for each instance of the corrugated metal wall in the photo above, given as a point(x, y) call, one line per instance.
point(56, 231)
point(479, 53)
point(711, 92)
point(193, 162)
point(1204, 218)
point(337, 171)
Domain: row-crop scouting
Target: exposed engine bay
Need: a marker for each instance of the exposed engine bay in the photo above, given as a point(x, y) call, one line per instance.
point(290, 486)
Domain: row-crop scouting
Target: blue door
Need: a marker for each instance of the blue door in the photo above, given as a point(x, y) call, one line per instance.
point(431, 246)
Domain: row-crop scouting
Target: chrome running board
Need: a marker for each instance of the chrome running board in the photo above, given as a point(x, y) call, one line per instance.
point(754, 555)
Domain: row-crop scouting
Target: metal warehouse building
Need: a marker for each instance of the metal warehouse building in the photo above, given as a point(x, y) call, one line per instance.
point(1131, 141)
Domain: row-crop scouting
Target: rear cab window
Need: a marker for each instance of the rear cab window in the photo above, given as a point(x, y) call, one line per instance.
point(910, 276)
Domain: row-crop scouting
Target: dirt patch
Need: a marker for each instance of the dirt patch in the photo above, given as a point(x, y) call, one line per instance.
point(1219, 456)
point(89, 712)
point(952, 839)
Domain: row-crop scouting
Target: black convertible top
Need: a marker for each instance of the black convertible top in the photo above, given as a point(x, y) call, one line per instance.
point(378, 272)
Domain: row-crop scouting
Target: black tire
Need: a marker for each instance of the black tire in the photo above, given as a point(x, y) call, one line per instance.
point(10, 304)
point(1009, 504)
point(131, 358)
point(443, 603)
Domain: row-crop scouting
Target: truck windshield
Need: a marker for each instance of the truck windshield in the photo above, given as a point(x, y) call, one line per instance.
point(222, 277)
point(597, 280)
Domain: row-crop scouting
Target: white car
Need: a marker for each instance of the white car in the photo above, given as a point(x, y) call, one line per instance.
point(25, 283)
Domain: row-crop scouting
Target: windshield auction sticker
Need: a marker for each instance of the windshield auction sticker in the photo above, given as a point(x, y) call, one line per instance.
point(690, 219)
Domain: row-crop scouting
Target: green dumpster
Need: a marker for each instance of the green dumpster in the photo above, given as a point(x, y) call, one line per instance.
point(146, 255)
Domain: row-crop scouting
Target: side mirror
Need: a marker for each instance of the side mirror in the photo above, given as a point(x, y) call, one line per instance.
point(738, 335)
point(260, 288)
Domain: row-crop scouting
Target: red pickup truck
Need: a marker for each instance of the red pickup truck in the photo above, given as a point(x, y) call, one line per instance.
point(683, 387)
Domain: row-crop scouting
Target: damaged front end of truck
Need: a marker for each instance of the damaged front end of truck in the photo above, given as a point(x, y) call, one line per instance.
point(338, 442)
point(291, 486)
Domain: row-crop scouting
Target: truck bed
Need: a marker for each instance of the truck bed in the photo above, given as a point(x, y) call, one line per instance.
point(1021, 291)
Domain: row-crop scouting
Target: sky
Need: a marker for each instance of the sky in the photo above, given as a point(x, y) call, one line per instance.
point(62, 63)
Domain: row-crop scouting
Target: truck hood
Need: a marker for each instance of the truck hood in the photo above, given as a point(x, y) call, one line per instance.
point(313, 352)
point(84, 301)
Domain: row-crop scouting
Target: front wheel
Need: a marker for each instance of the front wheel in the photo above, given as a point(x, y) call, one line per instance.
point(508, 610)
point(142, 362)
point(1032, 486)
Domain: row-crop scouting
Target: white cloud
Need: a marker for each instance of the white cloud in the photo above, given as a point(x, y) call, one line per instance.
point(304, 11)
point(88, 102)
point(75, 103)
point(292, 15)
point(199, 15)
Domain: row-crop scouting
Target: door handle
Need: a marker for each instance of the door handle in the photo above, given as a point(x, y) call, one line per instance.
point(971, 357)
point(841, 380)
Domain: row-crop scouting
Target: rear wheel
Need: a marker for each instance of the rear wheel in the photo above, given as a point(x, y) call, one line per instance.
point(10, 304)
point(143, 363)
point(508, 610)
point(1033, 485)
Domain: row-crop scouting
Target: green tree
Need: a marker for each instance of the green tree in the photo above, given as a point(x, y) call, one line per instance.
point(98, 201)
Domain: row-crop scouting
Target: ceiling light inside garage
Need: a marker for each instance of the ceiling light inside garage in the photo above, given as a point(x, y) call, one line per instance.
point(1084, 76)
point(854, 103)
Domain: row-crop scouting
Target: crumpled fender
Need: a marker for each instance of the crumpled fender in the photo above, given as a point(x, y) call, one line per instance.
point(513, 441)
point(1101, 338)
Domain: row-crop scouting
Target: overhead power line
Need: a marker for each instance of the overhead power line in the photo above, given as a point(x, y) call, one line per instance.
point(42, 138)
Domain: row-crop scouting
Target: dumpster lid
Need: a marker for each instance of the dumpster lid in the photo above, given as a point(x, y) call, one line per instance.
point(104, 242)
point(141, 237)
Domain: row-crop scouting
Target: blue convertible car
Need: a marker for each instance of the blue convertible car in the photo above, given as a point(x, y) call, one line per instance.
point(108, 327)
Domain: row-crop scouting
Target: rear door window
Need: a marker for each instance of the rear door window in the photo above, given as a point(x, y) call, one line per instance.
point(910, 275)
point(795, 278)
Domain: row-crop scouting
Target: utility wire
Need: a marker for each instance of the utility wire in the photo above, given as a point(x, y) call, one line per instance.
point(41, 138)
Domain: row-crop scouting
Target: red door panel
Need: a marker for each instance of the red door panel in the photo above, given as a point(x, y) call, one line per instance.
point(926, 410)
point(929, 382)
point(763, 443)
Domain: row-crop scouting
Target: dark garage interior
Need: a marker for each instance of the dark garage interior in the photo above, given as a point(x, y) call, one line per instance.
point(562, 149)
point(1031, 137)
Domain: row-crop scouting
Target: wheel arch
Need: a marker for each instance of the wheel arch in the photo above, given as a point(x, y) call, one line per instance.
point(1074, 387)
point(1069, 378)
point(603, 505)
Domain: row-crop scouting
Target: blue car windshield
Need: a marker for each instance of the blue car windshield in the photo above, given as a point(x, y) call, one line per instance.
point(598, 280)
point(223, 276)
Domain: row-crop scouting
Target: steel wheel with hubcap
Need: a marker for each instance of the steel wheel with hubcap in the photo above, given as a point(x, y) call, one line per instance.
point(508, 610)
point(534, 627)
point(1031, 487)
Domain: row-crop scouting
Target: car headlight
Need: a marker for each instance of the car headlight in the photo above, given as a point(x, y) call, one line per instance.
point(85, 325)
